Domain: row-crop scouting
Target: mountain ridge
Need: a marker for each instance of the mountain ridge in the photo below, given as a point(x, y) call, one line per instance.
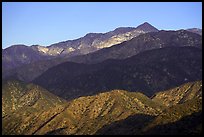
point(124, 50)
point(88, 115)
point(153, 71)
point(141, 43)
point(89, 43)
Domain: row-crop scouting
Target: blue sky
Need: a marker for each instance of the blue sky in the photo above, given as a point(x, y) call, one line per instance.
point(44, 23)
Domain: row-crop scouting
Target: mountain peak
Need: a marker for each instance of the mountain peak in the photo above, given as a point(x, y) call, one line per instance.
point(147, 27)
point(145, 23)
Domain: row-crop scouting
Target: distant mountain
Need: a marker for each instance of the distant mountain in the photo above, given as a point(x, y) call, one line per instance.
point(195, 30)
point(148, 72)
point(29, 72)
point(34, 111)
point(147, 27)
point(124, 50)
point(18, 55)
point(95, 41)
point(149, 41)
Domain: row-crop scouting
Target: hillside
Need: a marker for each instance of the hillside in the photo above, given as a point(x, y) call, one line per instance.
point(148, 72)
point(29, 115)
point(17, 55)
point(179, 95)
point(44, 113)
point(149, 41)
point(17, 96)
point(182, 118)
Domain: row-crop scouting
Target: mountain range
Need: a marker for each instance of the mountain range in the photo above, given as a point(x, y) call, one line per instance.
point(124, 50)
point(17, 55)
point(149, 71)
point(149, 41)
point(129, 81)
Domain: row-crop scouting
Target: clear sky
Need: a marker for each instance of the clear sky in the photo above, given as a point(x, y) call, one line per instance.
point(45, 23)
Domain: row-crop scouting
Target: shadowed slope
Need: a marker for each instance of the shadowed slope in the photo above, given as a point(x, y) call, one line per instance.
point(123, 50)
point(148, 72)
